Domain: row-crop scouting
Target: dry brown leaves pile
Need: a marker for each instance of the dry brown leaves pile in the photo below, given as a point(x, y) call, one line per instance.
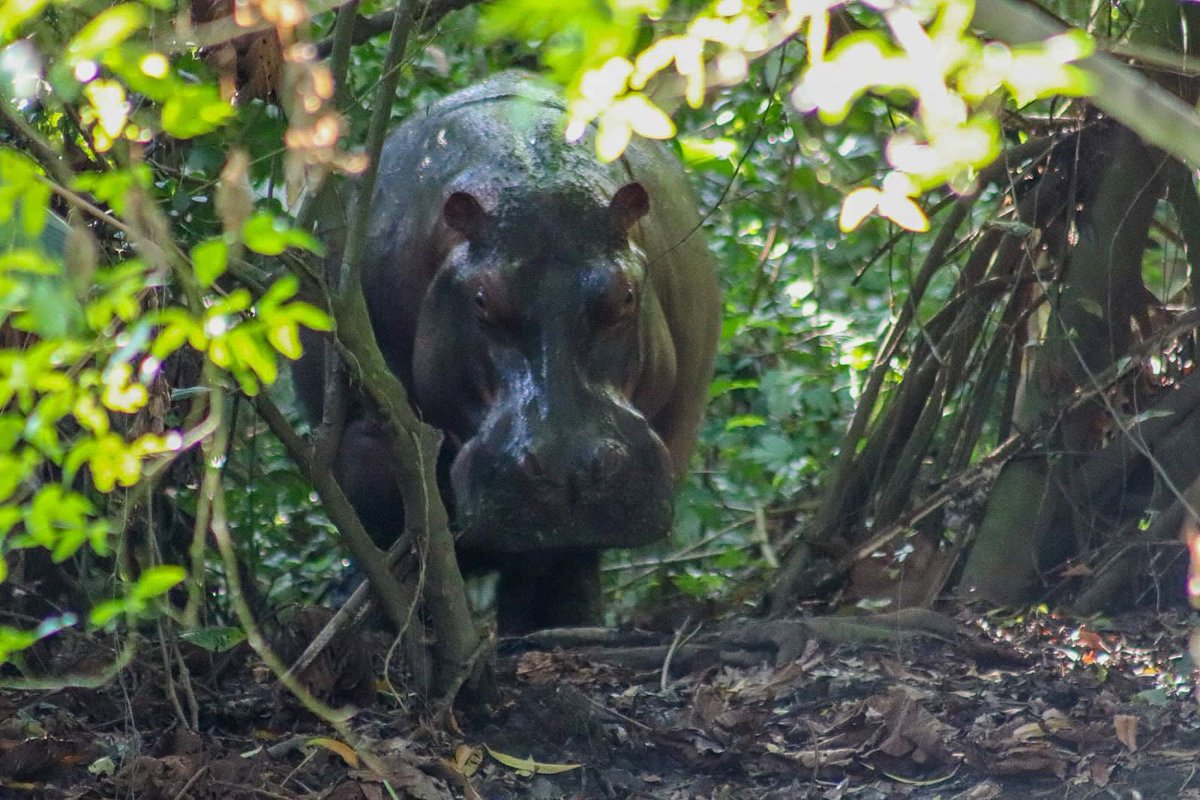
point(1077, 709)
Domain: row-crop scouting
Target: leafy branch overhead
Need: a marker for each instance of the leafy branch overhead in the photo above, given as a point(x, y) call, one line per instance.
point(945, 83)
point(105, 290)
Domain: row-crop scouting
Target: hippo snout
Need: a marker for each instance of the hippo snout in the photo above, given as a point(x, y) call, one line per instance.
point(522, 487)
point(594, 467)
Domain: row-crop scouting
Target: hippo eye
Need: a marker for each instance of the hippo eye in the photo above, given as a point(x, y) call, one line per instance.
point(493, 312)
point(618, 305)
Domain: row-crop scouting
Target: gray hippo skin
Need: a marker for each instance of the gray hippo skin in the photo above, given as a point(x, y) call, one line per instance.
point(557, 318)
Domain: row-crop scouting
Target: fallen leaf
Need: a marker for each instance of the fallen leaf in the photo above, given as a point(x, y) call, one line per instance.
point(1032, 730)
point(1126, 727)
point(467, 759)
point(528, 765)
point(341, 748)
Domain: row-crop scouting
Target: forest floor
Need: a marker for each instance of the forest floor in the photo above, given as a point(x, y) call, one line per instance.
point(916, 706)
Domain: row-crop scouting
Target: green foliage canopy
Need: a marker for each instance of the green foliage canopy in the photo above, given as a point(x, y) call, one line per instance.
point(921, 52)
point(100, 292)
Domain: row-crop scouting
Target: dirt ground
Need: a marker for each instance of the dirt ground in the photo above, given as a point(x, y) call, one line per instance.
point(914, 706)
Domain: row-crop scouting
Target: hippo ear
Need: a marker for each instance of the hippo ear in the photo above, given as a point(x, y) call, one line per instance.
point(464, 213)
point(629, 204)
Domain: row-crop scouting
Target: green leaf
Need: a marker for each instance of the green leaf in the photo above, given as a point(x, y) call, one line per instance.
point(57, 520)
point(309, 316)
point(14, 641)
point(721, 385)
point(34, 208)
point(265, 234)
point(157, 580)
point(249, 350)
point(528, 765)
point(268, 235)
point(144, 73)
point(14, 16)
point(303, 240)
point(106, 611)
point(285, 337)
point(215, 640)
point(280, 290)
point(106, 30)
point(716, 155)
point(114, 187)
point(52, 311)
point(195, 109)
point(210, 259)
point(14, 471)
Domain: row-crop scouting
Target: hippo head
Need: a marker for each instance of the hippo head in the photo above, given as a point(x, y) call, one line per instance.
point(530, 345)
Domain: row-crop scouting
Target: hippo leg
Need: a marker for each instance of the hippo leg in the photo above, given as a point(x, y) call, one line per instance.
point(364, 471)
point(549, 591)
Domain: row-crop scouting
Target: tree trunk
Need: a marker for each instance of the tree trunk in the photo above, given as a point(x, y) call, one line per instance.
point(1027, 528)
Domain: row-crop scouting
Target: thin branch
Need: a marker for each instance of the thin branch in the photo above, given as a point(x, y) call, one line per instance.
point(398, 603)
point(226, 29)
point(351, 267)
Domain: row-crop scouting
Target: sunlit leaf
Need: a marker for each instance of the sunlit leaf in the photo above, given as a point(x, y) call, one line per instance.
point(249, 351)
point(716, 154)
point(904, 211)
point(647, 119)
point(14, 641)
point(210, 259)
point(120, 392)
point(265, 234)
point(745, 421)
point(309, 316)
point(612, 136)
point(269, 235)
point(157, 580)
point(1071, 45)
point(195, 109)
point(285, 337)
point(15, 13)
point(106, 611)
point(818, 36)
point(857, 206)
point(113, 463)
point(106, 30)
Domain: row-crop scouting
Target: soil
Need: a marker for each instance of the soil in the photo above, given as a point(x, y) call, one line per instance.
point(913, 706)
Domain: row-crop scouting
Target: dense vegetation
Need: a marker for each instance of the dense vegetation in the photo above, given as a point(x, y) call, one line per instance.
point(160, 200)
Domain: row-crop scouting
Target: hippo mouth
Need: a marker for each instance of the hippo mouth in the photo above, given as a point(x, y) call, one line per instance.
point(501, 512)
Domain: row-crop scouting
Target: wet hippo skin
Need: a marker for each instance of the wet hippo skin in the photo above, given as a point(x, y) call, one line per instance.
point(556, 317)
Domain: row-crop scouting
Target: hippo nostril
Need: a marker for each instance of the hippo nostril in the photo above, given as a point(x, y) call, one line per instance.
point(529, 465)
point(609, 457)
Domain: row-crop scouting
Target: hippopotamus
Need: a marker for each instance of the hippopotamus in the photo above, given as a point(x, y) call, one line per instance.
point(557, 318)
